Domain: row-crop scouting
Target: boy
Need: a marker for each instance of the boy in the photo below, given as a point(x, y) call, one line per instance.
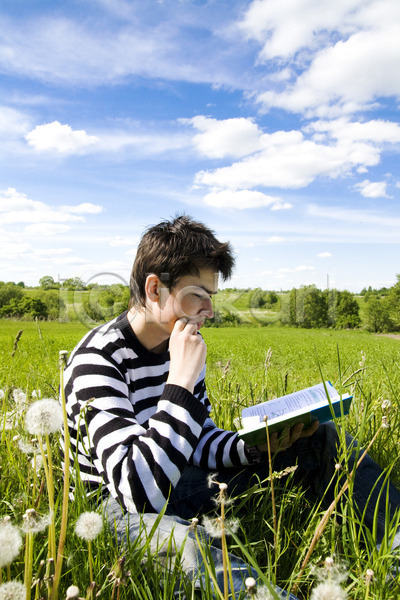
point(147, 438)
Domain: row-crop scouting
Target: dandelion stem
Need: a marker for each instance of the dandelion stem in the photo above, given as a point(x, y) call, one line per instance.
point(272, 483)
point(28, 563)
point(50, 489)
point(64, 515)
point(325, 518)
point(207, 565)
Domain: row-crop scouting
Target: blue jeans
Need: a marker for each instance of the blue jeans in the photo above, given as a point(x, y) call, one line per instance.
point(316, 458)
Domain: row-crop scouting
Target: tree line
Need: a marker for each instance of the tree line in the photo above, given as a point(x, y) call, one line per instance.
point(307, 306)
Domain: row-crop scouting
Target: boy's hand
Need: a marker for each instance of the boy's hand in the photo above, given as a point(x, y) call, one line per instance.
point(279, 443)
point(187, 354)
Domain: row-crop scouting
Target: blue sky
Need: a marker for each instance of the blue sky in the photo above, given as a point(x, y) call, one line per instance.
point(275, 123)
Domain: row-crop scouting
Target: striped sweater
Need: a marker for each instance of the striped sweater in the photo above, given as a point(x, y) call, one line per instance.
point(131, 433)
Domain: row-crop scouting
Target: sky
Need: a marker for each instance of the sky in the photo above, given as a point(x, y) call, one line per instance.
point(275, 123)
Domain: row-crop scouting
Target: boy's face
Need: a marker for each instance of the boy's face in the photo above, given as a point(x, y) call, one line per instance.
point(190, 298)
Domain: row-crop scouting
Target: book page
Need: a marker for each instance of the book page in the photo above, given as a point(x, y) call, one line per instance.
point(295, 401)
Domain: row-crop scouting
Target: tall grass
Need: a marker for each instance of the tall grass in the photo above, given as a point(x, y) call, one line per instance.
point(244, 366)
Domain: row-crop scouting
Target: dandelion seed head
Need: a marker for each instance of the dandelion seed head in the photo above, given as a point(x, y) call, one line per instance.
point(211, 479)
point(44, 417)
point(386, 405)
point(338, 466)
point(385, 422)
point(37, 463)
point(328, 590)
point(10, 543)
point(19, 398)
point(223, 487)
point(89, 525)
point(72, 592)
point(329, 562)
point(212, 527)
point(33, 522)
point(12, 590)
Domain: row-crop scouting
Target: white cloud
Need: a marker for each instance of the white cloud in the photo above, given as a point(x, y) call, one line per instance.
point(84, 208)
point(16, 207)
point(289, 160)
point(46, 229)
point(376, 131)
point(345, 77)
point(62, 138)
point(229, 137)
point(324, 255)
point(354, 216)
point(342, 55)
point(119, 240)
point(242, 199)
point(12, 122)
point(275, 239)
point(285, 27)
point(372, 189)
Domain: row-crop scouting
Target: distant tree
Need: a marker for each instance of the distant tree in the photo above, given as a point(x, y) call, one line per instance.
point(271, 298)
point(315, 308)
point(393, 300)
point(21, 284)
point(347, 311)
point(9, 291)
point(258, 298)
point(74, 283)
point(377, 314)
point(47, 283)
point(25, 307)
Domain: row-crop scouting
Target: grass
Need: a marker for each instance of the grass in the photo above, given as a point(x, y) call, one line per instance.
point(245, 366)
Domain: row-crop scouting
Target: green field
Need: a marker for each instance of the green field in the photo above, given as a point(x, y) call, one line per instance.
point(245, 365)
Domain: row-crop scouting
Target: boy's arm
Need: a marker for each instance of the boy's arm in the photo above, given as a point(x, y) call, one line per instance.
point(139, 465)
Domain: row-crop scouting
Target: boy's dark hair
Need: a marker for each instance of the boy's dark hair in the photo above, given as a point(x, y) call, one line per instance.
point(176, 248)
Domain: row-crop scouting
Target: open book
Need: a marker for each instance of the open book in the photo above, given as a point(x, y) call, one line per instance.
point(305, 406)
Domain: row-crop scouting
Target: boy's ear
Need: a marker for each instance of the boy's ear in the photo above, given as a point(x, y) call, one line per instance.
point(152, 288)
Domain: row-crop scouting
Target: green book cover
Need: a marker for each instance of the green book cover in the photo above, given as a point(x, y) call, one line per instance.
point(305, 406)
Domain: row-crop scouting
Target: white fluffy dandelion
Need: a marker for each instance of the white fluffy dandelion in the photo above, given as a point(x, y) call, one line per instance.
point(328, 590)
point(10, 543)
point(89, 525)
point(12, 590)
point(33, 522)
point(44, 417)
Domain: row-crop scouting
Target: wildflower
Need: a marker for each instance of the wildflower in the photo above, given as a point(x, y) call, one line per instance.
point(385, 422)
point(72, 592)
point(89, 525)
point(10, 543)
point(328, 590)
point(386, 405)
point(12, 590)
point(44, 417)
point(33, 522)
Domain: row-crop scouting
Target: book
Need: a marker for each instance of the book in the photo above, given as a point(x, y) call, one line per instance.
point(319, 402)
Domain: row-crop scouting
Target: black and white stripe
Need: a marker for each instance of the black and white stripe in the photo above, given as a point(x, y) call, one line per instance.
point(130, 432)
